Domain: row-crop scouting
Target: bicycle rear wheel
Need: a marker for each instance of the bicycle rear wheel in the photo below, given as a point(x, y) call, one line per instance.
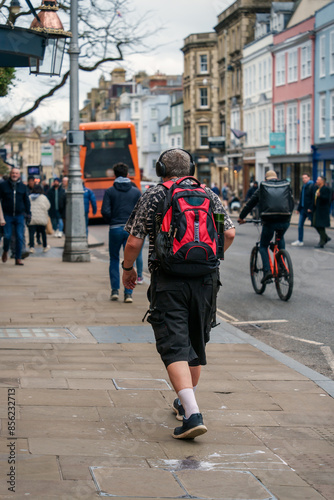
point(256, 271)
point(284, 280)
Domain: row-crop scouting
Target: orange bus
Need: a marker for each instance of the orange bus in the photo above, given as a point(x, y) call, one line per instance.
point(107, 143)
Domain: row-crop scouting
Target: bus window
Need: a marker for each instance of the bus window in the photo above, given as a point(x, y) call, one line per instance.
point(104, 148)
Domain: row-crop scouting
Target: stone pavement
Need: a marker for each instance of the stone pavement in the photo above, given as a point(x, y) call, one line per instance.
point(92, 413)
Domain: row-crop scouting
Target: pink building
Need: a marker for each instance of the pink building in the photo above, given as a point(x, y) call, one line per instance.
point(293, 102)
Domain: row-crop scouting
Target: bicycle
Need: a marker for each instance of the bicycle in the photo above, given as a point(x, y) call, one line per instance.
point(280, 267)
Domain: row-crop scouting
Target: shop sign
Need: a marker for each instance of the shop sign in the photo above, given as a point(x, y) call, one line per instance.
point(277, 143)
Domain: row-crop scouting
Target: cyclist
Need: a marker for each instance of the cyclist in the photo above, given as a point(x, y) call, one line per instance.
point(276, 205)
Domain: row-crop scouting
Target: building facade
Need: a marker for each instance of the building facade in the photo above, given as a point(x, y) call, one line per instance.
point(200, 103)
point(293, 102)
point(323, 149)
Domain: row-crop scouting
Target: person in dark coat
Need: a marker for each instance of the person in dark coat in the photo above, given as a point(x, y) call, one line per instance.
point(16, 209)
point(322, 205)
point(118, 202)
point(305, 208)
point(89, 199)
point(57, 198)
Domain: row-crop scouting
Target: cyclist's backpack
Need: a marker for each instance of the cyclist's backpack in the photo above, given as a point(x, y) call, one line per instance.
point(186, 242)
point(276, 201)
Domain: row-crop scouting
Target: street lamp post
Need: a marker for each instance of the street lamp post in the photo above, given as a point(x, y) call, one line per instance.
point(76, 246)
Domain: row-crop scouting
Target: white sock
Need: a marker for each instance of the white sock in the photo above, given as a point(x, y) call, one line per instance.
point(194, 388)
point(188, 400)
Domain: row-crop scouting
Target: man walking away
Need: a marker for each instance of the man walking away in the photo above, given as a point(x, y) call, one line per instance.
point(322, 205)
point(89, 199)
point(305, 208)
point(118, 203)
point(16, 209)
point(275, 206)
point(182, 308)
point(57, 198)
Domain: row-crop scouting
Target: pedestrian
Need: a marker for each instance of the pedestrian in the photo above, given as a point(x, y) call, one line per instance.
point(252, 188)
point(57, 198)
point(225, 194)
point(322, 205)
point(89, 199)
point(16, 209)
point(275, 206)
point(2, 221)
point(181, 308)
point(215, 189)
point(40, 206)
point(305, 208)
point(118, 203)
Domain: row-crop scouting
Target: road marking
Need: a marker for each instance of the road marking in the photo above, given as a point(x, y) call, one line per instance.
point(327, 352)
point(259, 321)
point(227, 315)
point(297, 338)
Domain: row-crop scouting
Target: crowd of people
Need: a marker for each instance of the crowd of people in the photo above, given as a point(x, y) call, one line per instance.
point(35, 205)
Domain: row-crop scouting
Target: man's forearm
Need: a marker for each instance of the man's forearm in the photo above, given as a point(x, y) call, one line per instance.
point(229, 235)
point(132, 250)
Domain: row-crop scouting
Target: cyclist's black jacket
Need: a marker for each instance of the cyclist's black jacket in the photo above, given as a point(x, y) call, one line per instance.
point(269, 219)
point(14, 198)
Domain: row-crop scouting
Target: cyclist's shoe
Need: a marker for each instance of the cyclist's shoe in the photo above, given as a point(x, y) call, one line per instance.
point(191, 427)
point(178, 409)
point(267, 277)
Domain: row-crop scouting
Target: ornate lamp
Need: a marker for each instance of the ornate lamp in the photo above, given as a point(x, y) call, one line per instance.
point(49, 23)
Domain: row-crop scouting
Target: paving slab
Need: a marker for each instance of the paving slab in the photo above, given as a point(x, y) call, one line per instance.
point(51, 490)
point(74, 468)
point(44, 383)
point(38, 468)
point(87, 447)
point(89, 414)
point(59, 397)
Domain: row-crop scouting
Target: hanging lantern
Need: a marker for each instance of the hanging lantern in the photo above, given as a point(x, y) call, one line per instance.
point(49, 23)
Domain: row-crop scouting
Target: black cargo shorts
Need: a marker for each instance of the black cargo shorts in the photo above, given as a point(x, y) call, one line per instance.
point(181, 313)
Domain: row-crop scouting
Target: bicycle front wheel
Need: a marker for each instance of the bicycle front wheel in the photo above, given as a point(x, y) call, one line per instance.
point(256, 271)
point(284, 280)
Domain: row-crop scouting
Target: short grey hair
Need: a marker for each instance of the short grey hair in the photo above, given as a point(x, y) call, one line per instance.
point(177, 163)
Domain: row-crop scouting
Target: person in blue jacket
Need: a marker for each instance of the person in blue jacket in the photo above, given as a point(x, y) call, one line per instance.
point(118, 202)
point(89, 199)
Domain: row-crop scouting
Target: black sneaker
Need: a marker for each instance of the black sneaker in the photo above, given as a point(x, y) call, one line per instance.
point(178, 409)
point(191, 427)
point(114, 295)
point(267, 277)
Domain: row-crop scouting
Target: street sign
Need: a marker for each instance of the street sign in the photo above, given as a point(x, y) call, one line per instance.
point(277, 143)
point(217, 142)
point(52, 142)
point(47, 155)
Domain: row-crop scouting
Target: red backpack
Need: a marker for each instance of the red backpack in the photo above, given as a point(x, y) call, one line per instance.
point(186, 242)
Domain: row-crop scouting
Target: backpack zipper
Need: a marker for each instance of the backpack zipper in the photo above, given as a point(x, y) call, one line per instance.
point(196, 228)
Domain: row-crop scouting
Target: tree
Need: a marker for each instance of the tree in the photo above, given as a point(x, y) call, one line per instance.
point(7, 76)
point(108, 31)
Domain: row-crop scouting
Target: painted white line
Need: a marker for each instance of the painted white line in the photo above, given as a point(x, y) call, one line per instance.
point(326, 251)
point(227, 315)
point(327, 352)
point(297, 338)
point(259, 321)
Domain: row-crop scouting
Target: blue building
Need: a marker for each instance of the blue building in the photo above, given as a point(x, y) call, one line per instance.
point(323, 149)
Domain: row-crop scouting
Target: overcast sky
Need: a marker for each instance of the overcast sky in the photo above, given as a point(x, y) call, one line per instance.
point(179, 18)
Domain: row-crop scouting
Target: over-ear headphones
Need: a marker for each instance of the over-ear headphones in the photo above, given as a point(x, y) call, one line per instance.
point(160, 167)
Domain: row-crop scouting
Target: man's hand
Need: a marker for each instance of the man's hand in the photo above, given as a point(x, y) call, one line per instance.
point(241, 221)
point(129, 279)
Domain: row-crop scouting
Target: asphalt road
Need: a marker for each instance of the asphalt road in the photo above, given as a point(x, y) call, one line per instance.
point(303, 327)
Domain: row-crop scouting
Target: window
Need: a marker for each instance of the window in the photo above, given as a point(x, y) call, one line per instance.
point(280, 69)
point(154, 113)
point(179, 115)
point(331, 52)
point(154, 138)
point(203, 62)
point(332, 114)
point(260, 76)
point(136, 106)
point(203, 135)
point(260, 127)
point(292, 66)
point(173, 142)
point(179, 140)
point(306, 61)
point(265, 74)
point(305, 126)
point(279, 119)
point(322, 56)
point(203, 93)
point(254, 79)
point(291, 131)
point(322, 115)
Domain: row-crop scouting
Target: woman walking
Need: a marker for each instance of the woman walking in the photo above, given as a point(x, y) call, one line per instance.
point(322, 204)
point(39, 217)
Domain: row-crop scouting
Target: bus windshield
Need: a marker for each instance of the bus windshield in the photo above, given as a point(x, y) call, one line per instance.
point(104, 148)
